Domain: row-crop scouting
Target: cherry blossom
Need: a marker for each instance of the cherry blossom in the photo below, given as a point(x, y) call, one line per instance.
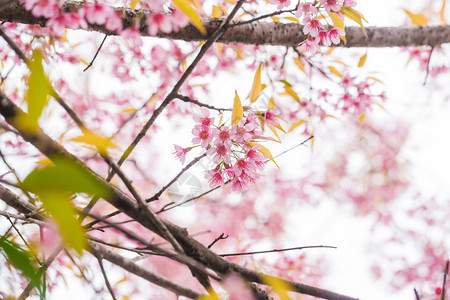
point(180, 152)
point(203, 135)
point(42, 8)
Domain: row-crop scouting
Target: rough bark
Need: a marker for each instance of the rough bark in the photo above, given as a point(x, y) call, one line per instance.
point(256, 33)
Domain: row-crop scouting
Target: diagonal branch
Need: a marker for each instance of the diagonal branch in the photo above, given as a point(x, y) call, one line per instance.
point(256, 33)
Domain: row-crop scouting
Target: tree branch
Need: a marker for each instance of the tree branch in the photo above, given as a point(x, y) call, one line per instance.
point(191, 247)
point(256, 33)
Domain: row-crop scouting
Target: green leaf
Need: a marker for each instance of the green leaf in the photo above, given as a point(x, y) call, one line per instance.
point(66, 176)
point(238, 111)
point(185, 7)
point(64, 215)
point(38, 88)
point(21, 260)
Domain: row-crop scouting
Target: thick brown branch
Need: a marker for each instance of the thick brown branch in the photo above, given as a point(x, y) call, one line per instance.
point(258, 33)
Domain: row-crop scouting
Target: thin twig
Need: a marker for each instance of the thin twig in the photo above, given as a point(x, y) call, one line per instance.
point(444, 282)
point(14, 46)
point(80, 269)
point(187, 167)
point(133, 115)
point(96, 53)
point(222, 236)
point(108, 285)
point(196, 102)
point(24, 240)
point(274, 250)
point(132, 267)
point(428, 66)
point(156, 249)
point(416, 293)
point(21, 217)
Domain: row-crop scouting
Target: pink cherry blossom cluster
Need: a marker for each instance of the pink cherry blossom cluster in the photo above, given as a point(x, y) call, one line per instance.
point(90, 13)
point(318, 33)
point(236, 159)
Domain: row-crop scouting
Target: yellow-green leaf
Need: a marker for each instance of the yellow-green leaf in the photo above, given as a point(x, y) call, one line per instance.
point(271, 104)
point(38, 88)
point(335, 71)
point(238, 112)
point(264, 150)
point(216, 12)
point(299, 63)
point(295, 20)
point(134, 3)
point(256, 86)
point(279, 286)
point(296, 124)
point(417, 19)
point(101, 143)
point(291, 92)
point(362, 60)
point(362, 117)
point(185, 7)
point(64, 177)
point(442, 12)
point(337, 21)
point(64, 216)
point(354, 15)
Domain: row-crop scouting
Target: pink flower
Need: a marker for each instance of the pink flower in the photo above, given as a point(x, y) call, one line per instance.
point(309, 45)
point(331, 5)
point(270, 117)
point(180, 152)
point(114, 22)
point(179, 20)
point(222, 136)
point(323, 37)
point(202, 135)
point(306, 8)
point(335, 35)
point(241, 132)
point(203, 119)
point(349, 3)
point(215, 178)
point(42, 8)
point(281, 3)
point(237, 185)
point(237, 288)
point(221, 152)
point(158, 22)
point(312, 27)
point(254, 155)
point(97, 13)
point(243, 165)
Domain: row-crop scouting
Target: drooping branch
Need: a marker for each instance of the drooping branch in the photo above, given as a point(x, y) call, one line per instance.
point(257, 33)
